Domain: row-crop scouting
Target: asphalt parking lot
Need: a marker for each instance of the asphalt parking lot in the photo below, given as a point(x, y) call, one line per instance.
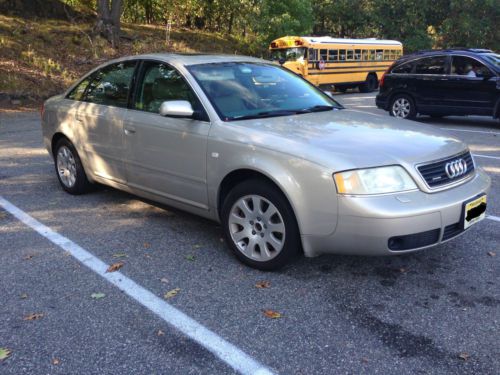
point(432, 312)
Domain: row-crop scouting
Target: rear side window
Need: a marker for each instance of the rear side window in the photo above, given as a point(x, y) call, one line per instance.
point(431, 65)
point(111, 85)
point(78, 91)
point(406, 68)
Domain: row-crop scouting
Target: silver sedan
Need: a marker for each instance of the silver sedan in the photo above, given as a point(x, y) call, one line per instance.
point(283, 166)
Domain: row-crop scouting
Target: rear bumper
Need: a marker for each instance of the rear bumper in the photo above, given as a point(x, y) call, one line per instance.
point(418, 220)
point(381, 102)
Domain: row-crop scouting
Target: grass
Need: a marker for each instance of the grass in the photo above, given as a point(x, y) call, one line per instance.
point(40, 58)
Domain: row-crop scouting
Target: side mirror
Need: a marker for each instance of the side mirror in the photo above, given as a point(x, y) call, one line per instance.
point(176, 108)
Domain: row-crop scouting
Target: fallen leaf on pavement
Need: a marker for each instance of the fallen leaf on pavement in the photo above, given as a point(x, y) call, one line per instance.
point(24, 296)
point(164, 280)
point(263, 284)
point(56, 361)
point(147, 245)
point(29, 256)
point(33, 316)
point(464, 356)
point(120, 255)
point(491, 253)
point(172, 293)
point(364, 360)
point(272, 314)
point(97, 295)
point(115, 267)
point(4, 353)
point(160, 333)
point(190, 257)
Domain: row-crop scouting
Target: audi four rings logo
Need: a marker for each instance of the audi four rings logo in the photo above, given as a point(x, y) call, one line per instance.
point(456, 168)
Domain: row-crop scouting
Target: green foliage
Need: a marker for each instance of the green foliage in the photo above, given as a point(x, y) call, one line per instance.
point(419, 24)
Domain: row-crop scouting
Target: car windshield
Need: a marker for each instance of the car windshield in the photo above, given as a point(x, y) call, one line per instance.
point(288, 54)
point(250, 90)
point(493, 58)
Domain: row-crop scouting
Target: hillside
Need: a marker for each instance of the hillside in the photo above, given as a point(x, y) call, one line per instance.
point(39, 58)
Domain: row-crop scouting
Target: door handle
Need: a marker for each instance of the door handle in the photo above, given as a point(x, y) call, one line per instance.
point(129, 130)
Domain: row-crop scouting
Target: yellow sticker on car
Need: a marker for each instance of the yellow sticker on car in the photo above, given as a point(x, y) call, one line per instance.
point(474, 211)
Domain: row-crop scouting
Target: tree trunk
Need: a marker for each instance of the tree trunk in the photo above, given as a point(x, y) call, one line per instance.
point(108, 20)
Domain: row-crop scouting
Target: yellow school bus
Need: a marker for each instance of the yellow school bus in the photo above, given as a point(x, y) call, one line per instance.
point(343, 63)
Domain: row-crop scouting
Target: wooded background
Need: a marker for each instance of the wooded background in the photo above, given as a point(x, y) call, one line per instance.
point(46, 44)
point(419, 24)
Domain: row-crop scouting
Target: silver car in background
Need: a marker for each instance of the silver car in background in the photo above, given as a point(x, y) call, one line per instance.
point(281, 165)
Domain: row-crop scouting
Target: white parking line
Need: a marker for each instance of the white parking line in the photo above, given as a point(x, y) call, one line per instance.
point(364, 106)
point(486, 156)
point(472, 131)
point(226, 351)
point(358, 97)
point(494, 218)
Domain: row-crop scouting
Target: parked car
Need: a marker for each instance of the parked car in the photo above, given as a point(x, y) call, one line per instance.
point(281, 165)
point(442, 82)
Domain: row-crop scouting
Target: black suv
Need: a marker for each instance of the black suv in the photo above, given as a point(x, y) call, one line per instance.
point(442, 82)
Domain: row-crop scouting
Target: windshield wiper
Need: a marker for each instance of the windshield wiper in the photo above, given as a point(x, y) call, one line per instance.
point(283, 112)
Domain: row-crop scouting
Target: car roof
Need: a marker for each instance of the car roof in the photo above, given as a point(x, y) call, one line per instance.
point(449, 51)
point(191, 58)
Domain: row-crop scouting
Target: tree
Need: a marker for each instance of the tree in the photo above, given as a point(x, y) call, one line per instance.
point(108, 20)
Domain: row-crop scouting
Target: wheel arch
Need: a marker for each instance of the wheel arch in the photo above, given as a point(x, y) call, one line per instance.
point(56, 137)
point(237, 176)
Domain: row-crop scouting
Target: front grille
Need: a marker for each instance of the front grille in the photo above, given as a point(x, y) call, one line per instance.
point(434, 173)
point(414, 241)
point(451, 231)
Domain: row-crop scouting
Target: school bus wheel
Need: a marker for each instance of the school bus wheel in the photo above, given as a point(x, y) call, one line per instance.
point(370, 83)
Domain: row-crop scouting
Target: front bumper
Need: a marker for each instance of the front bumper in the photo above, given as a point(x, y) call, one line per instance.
point(366, 224)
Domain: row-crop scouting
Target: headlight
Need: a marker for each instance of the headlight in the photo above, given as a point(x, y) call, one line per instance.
point(374, 181)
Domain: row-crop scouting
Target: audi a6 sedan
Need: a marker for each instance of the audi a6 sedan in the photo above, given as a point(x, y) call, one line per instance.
point(282, 166)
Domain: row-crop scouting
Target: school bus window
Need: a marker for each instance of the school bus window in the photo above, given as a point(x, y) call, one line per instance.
point(364, 55)
point(323, 54)
point(357, 54)
point(380, 54)
point(350, 54)
point(387, 54)
point(342, 55)
point(313, 54)
point(333, 55)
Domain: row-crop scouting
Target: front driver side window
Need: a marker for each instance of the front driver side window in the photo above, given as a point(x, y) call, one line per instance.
point(162, 83)
point(469, 67)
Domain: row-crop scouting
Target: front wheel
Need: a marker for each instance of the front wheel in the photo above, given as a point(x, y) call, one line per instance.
point(260, 226)
point(402, 106)
point(69, 168)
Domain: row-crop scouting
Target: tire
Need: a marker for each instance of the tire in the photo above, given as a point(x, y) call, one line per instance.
point(369, 85)
point(403, 106)
point(248, 229)
point(341, 89)
point(69, 168)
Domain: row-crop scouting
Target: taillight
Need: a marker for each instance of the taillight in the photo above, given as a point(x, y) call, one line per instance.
point(274, 45)
point(299, 42)
point(381, 81)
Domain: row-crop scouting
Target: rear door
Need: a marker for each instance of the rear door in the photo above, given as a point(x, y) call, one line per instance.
point(430, 75)
point(471, 86)
point(166, 156)
point(101, 115)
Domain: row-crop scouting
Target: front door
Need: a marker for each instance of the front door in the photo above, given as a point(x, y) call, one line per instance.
point(471, 86)
point(166, 156)
point(101, 115)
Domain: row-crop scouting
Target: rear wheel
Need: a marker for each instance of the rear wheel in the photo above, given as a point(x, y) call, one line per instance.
point(69, 168)
point(370, 84)
point(259, 225)
point(402, 106)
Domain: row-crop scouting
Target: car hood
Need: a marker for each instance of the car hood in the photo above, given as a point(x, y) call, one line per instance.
point(346, 139)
